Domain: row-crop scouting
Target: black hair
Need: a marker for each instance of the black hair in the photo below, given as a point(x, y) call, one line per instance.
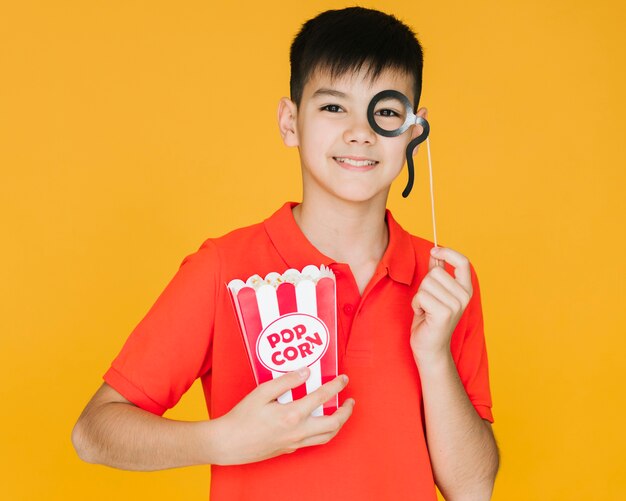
point(342, 41)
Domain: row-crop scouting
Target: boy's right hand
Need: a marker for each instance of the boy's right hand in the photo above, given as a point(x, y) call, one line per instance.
point(260, 428)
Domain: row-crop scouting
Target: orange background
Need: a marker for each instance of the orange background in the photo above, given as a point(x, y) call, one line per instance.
point(131, 131)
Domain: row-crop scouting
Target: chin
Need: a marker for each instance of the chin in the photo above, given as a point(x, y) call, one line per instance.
point(359, 196)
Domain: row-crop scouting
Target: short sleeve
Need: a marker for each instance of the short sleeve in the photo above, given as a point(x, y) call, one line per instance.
point(171, 346)
point(470, 354)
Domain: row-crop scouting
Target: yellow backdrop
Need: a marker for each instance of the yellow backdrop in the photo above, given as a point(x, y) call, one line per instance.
point(131, 131)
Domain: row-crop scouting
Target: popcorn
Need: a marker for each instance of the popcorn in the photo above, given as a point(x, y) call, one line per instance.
point(289, 321)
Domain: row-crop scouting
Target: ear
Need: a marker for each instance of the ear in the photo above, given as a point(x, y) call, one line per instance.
point(418, 129)
point(287, 114)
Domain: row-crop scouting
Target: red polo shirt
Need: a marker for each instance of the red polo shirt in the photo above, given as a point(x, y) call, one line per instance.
point(191, 332)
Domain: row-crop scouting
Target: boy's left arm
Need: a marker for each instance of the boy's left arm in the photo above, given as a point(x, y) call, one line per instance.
point(461, 444)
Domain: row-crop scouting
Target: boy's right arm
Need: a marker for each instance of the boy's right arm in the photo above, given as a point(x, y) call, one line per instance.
point(114, 432)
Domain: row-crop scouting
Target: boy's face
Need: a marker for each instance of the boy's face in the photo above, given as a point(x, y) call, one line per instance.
point(340, 153)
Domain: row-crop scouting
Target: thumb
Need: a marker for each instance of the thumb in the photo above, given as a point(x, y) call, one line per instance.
point(273, 389)
point(432, 262)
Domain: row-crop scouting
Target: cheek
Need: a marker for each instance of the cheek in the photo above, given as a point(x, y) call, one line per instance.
point(316, 140)
point(396, 149)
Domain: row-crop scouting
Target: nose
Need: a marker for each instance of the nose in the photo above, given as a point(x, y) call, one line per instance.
point(358, 131)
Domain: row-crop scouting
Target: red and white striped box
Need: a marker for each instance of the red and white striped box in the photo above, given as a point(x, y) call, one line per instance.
point(289, 321)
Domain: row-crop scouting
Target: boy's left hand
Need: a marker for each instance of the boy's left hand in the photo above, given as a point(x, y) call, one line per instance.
point(439, 304)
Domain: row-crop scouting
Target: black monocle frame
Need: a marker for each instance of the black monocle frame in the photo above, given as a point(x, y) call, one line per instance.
point(411, 119)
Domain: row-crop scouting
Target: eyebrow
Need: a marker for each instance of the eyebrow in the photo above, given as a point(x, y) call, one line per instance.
point(328, 92)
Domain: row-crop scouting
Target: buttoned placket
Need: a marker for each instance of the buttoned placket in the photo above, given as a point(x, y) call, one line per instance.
point(349, 304)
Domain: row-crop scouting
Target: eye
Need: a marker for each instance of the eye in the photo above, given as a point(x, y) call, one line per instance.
point(333, 108)
point(386, 112)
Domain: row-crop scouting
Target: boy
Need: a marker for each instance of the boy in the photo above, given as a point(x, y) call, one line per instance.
point(417, 409)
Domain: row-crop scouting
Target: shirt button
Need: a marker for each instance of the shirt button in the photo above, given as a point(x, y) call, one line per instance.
point(348, 309)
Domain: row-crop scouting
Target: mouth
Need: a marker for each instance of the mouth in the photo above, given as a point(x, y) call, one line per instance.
point(358, 163)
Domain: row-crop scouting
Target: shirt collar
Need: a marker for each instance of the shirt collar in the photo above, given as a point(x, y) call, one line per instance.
point(297, 252)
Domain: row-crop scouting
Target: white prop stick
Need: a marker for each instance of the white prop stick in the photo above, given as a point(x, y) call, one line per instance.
point(432, 197)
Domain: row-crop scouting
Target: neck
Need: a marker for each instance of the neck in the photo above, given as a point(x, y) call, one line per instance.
point(353, 233)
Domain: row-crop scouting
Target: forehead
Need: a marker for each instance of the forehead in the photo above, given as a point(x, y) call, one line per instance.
point(361, 83)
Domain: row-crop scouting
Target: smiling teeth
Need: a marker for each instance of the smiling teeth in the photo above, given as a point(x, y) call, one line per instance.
point(356, 163)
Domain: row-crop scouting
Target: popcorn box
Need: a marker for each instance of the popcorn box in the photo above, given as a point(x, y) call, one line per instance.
point(289, 321)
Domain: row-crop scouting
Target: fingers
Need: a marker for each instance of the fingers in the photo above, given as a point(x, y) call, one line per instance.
point(259, 427)
point(323, 394)
point(439, 292)
point(315, 430)
point(446, 289)
point(462, 270)
point(439, 289)
point(323, 429)
point(425, 302)
point(273, 389)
